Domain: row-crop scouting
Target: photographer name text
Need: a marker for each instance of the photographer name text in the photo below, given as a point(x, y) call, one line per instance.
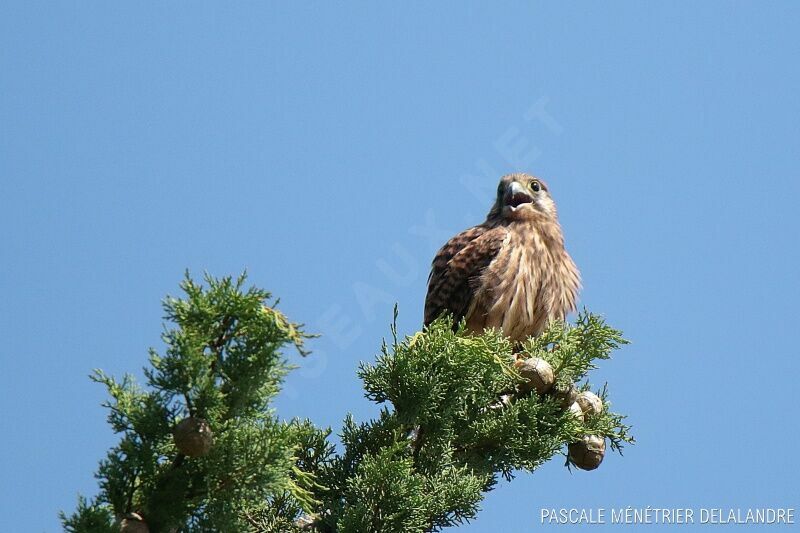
point(659, 515)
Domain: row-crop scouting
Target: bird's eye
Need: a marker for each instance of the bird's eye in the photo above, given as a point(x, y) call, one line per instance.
point(535, 186)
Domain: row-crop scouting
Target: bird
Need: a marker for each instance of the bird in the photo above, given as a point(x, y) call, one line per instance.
point(512, 272)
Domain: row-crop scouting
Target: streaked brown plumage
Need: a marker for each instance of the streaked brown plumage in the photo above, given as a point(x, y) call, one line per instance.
point(511, 272)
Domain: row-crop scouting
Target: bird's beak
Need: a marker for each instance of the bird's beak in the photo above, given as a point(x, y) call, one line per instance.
point(516, 188)
point(517, 195)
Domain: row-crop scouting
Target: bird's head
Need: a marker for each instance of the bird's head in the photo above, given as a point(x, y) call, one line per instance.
point(522, 197)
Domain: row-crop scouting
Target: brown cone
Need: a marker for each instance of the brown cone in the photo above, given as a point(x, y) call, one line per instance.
point(133, 523)
point(588, 453)
point(538, 372)
point(590, 403)
point(576, 411)
point(565, 394)
point(193, 437)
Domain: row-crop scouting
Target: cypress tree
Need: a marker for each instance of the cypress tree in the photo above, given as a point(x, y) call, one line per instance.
point(201, 448)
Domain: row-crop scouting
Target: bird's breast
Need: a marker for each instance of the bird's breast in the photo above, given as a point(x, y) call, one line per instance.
point(529, 283)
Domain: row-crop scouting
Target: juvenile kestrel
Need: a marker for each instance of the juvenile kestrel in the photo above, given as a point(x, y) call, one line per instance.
point(511, 272)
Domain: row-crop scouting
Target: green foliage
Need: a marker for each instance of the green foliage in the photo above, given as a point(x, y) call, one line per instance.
point(222, 363)
point(573, 351)
point(94, 517)
point(454, 418)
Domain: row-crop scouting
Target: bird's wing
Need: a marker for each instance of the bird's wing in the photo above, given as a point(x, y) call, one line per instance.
point(461, 260)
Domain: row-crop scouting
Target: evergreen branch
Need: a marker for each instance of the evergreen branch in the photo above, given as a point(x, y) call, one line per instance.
point(456, 417)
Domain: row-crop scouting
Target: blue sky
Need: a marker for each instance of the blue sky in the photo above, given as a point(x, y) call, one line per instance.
point(331, 149)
